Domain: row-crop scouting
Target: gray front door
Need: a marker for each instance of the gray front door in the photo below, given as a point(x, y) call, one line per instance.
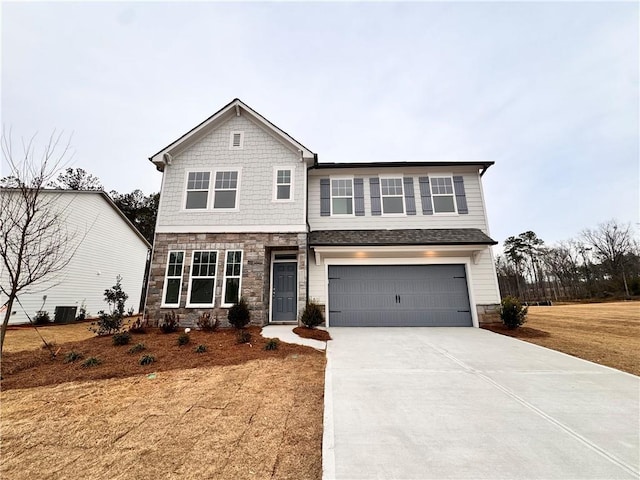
point(398, 296)
point(285, 287)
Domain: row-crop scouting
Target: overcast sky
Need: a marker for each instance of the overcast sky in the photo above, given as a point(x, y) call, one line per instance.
point(547, 90)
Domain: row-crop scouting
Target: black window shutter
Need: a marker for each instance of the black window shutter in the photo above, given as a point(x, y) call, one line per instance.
point(425, 196)
point(461, 198)
point(374, 185)
point(358, 196)
point(325, 197)
point(409, 198)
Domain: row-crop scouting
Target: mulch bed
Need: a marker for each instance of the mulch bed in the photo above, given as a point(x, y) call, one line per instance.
point(521, 332)
point(312, 333)
point(33, 368)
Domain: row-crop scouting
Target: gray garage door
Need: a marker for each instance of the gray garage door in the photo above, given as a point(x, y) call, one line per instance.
point(398, 296)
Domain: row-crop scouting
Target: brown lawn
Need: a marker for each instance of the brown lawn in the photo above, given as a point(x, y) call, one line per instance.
point(235, 411)
point(604, 333)
point(25, 337)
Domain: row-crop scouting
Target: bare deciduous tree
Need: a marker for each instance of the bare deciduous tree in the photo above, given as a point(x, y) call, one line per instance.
point(33, 236)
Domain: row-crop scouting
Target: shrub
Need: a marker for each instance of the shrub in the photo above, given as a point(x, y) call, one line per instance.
point(111, 322)
point(121, 338)
point(41, 318)
point(140, 325)
point(272, 344)
point(312, 315)
point(91, 362)
point(72, 356)
point(242, 336)
point(170, 322)
point(146, 360)
point(512, 313)
point(138, 347)
point(82, 313)
point(201, 349)
point(183, 339)
point(206, 323)
point(239, 315)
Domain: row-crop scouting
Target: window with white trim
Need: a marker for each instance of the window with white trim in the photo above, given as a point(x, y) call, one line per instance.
point(225, 190)
point(283, 184)
point(197, 190)
point(342, 196)
point(236, 142)
point(232, 277)
point(202, 281)
point(442, 195)
point(173, 279)
point(392, 194)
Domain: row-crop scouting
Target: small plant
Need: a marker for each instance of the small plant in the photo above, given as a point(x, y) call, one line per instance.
point(512, 313)
point(239, 315)
point(41, 318)
point(139, 326)
point(208, 322)
point(121, 338)
point(130, 312)
point(137, 348)
point(183, 339)
point(312, 315)
point(72, 356)
point(109, 323)
point(91, 362)
point(170, 322)
point(272, 344)
point(82, 313)
point(146, 360)
point(200, 349)
point(242, 336)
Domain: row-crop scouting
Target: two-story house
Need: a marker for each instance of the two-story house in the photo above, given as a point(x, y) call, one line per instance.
point(246, 210)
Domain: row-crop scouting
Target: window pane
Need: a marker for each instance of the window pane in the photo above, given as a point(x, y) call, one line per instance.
point(197, 199)
point(173, 291)
point(231, 290)
point(342, 206)
point(443, 204)
point(284, 176)
point(201, 290)
point(392, 205)
point(283, 192)
point(225, 199)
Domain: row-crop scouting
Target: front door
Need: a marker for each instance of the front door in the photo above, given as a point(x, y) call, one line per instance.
point(285, 287)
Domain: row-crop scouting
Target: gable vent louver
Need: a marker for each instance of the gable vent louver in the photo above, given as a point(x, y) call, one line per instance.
point(236, 140)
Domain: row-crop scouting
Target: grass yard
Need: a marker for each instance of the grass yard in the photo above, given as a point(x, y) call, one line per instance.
point(604, 333)
point(25, 337)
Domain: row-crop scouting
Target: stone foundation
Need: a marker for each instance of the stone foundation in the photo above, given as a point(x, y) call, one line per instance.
point(256, 271)
point(488, 314)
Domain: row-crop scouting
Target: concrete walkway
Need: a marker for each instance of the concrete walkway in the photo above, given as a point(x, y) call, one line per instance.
point(465, 403)
point(285, 334)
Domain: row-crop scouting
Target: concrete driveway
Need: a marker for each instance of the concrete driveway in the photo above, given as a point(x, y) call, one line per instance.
point(465, 403)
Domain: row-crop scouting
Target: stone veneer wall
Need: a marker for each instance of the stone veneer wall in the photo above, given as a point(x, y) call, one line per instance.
point(488, 314)
point(256, 270)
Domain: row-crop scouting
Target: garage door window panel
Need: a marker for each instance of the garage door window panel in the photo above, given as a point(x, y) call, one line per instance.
point(342, 196)
point(442, 195)
point(392, 194)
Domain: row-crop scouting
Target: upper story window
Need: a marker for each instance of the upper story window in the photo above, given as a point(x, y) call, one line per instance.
point(225, 190)
point(342, 196)
point(392, 195)
point(236, 142)
point(283, 184)
point(442, 195)
point(203, 278)
point(173, 279)
point(197, 190)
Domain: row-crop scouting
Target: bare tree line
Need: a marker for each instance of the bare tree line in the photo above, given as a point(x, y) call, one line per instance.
point(602, 262)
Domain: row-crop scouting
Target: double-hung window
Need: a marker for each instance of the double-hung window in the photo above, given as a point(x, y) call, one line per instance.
point(342, 196)
point(232, 277)
point(225, 190)
point(392, 195)
point(202, 283)
point(283, 184)
point(442, 195)
point(197, 190)
point(173, 279)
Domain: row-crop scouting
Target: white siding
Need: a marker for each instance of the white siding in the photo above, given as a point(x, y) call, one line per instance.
point(260, 153)
point(106, 247)
point(474, 219)
point(484, 280)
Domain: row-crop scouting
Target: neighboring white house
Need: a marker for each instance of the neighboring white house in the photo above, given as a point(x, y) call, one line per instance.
point(104, 244)
point(246, 210)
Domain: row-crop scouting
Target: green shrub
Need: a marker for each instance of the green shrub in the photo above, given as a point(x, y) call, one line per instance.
point(121, 338)
point(72, 356)
point(41, 318)
point(272, 344)
point(91, 362)
point(242, 336)
point(138, 347)
point(183, 339)
point(512, 313)
point(111, 322)
point(201, 349)
point(312, 315)
point(170, 322)
point(146, 360)
point(208, 323)
point(239, 315)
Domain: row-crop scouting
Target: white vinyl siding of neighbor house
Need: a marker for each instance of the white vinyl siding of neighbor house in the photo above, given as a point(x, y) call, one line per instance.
point(474, 219)
point(255, 162)
point(106, 247)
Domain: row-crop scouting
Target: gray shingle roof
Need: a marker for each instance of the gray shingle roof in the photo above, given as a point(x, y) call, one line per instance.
point(440, 236)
